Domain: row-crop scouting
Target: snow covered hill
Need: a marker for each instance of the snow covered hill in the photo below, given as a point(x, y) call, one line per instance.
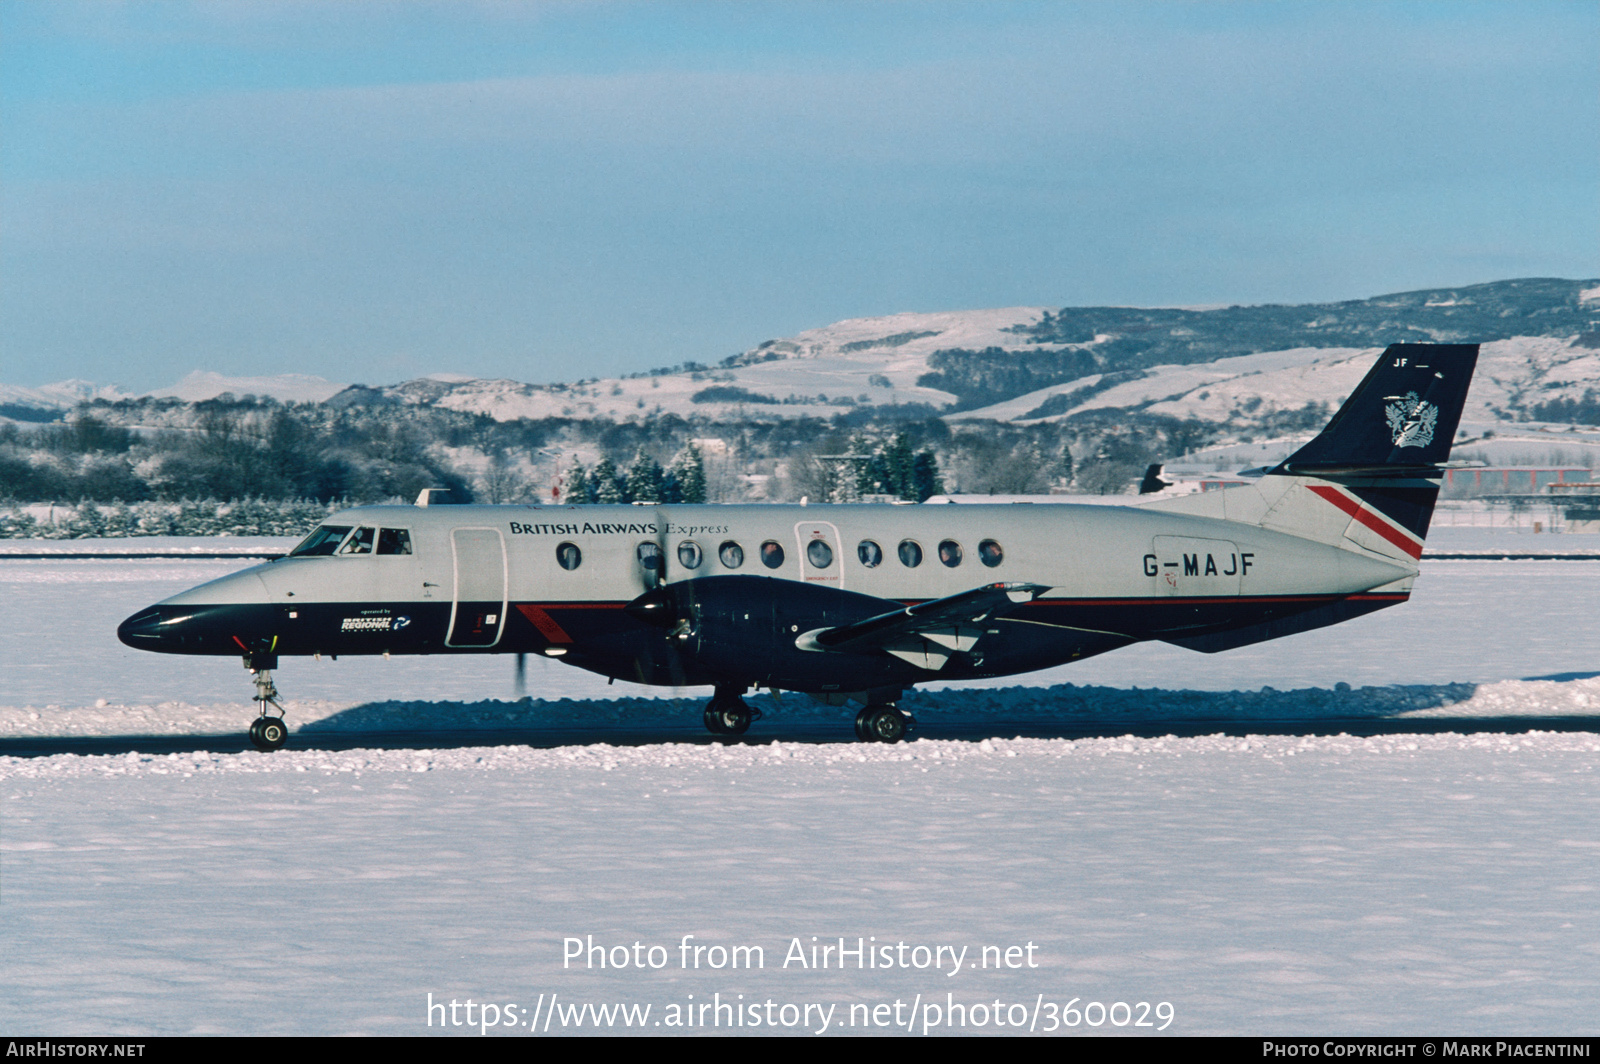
point(49, 401)
point(1029, 364)
point(200, 385)
point(1512, 375)
point(1541, 343)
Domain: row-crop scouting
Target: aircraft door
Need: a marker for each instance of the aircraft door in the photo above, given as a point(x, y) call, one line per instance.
point(821, 559)
point(1186, 567)
point(478, 612)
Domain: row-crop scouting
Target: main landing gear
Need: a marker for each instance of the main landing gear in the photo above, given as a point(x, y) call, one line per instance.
point(267, 732)
point(883, 724)
point(727, 713)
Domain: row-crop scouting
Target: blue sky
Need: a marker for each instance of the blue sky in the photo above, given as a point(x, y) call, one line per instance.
point(372, 191)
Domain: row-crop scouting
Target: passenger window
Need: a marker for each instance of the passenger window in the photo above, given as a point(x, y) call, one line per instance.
point(870, 553)
point(324, 541)
point(568, 556)
point(394, 541)
point(731, 555)
point(689, 554)
point(990, 554)
point(771, 554)
point(360, 542)
point(910, 553)
point(950, 553)
point(819, 554)
point(649, 555)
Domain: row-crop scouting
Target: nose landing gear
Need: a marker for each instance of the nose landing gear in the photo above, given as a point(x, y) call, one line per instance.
point(267, 732)
point(728, 714)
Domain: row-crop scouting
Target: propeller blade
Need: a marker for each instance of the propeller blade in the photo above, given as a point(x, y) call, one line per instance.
point(522, 675)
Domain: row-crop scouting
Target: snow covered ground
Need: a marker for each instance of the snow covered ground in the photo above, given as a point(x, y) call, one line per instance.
point(1264, 883)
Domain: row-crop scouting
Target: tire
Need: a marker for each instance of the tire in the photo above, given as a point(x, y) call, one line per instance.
point(735, 721)
point(268, 734)
point(862, 731)
point(713, 719)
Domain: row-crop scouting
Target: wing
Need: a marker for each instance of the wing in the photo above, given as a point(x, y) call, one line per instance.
point(927, 633)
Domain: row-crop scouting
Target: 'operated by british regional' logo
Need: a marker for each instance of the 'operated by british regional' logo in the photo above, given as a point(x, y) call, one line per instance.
point(1411, 420)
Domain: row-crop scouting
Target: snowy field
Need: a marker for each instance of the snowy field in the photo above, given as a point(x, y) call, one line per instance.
point(1259, 881)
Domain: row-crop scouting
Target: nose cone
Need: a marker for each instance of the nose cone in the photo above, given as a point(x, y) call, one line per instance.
point(225, 616)
point(143, 630)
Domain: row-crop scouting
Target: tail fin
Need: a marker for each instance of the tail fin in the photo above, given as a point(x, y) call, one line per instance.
point(1369, 480)
point(1401, 417)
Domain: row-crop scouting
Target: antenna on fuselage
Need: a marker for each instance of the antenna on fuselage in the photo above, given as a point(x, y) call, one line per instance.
point(435, 497)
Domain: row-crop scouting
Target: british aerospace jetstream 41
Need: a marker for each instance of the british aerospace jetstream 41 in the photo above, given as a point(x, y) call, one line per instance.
point(856, 602)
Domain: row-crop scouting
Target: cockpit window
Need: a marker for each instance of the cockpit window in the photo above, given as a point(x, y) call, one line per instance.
point(360, 542)
point(325, 540)
point(394, 541)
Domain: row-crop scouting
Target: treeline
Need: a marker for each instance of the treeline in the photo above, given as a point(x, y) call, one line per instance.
point(166, 451)
point(221, 450)
point(190, 517)
point(644, 481)
point(1585, 411)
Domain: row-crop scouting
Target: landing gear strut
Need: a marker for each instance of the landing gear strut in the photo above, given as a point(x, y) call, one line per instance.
point(727, 713)
point(883, 724)
point(267, 732)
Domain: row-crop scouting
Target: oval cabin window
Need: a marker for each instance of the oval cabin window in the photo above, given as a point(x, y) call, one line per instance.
point(910, 553)
point(689, 554)
point(990, 554)
point(870, 553)
point(950, 553)
point(568, 556)
point(731, 555)
point(819, 554)
point(771, 554)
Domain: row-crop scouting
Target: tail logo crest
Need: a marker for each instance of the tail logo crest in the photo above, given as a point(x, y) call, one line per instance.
point(1411, 420)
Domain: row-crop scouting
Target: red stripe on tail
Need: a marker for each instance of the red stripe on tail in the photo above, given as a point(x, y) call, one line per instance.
point(1367, 517)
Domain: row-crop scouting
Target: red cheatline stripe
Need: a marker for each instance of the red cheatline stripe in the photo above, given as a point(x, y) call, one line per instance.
point(545, 623)
point(1371, 520)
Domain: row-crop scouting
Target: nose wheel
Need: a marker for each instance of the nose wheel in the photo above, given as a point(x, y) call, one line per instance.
point(268, 732)
point(728, 714)
point(883, 724)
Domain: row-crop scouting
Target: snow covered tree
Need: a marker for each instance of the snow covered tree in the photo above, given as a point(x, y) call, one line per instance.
point(606, 486)
point(644, 479)
point(686, 478)
point(575, 487)
point(925, 479)
point(86, 522)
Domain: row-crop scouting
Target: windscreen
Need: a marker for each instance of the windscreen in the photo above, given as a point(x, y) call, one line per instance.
point(325, 540)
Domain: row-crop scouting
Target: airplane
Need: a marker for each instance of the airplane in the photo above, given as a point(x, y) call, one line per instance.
point(855, 603)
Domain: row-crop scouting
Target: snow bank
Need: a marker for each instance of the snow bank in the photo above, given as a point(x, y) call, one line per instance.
point(684, 758)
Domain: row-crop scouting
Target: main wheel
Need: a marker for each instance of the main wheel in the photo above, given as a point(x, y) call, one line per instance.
point(268, 734)
point(862, 731)
point(886, 725)
point(713, 719)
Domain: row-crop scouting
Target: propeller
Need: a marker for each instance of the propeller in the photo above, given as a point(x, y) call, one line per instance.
point(522, 675)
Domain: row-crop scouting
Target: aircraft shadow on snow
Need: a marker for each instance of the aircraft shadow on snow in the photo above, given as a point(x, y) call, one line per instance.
point(1041, 713)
